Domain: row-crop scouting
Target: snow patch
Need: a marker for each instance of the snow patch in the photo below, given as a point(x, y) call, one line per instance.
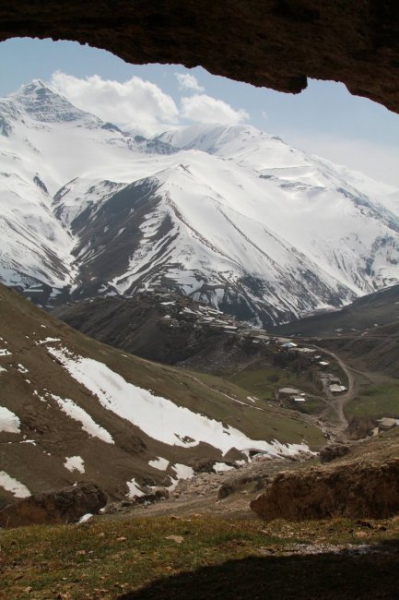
point(158, 417)
point(4, 352)
point(9, 422)
point(134, 490)
point(70, 408)
point(183, 471)
point(48, 340)
point(221, 467)
point(14, 486)
point(85, 518)
point(159, 463)
point(75, 463)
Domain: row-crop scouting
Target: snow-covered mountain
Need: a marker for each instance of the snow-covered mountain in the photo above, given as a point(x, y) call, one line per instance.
point(228, 215)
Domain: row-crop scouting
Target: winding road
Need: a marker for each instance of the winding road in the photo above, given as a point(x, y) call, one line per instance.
point(338, 402)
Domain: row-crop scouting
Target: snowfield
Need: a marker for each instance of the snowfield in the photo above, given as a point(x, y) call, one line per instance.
point(158, 417)
point(231, 215)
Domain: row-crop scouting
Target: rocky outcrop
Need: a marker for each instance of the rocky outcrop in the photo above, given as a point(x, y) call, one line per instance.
point(386, 423)
point(233, 485)
point(63, 506)
point(353, 490)
point(333, 451)
point(273, 43)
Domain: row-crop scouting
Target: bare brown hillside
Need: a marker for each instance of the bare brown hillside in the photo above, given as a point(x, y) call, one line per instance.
point(55, 431)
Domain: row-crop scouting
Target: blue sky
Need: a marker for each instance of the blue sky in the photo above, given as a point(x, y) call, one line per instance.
point(325, 119)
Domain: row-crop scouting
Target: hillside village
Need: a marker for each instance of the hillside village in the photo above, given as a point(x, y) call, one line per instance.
point(178, 311)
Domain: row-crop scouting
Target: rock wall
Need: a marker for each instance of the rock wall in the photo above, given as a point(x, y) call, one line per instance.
point(271, 43)
point(352, 490)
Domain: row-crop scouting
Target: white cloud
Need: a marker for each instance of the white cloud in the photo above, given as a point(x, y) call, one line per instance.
point(188, 82)
point(205, 109)
point(377, 160)
point(142, 105)
point(135, 102)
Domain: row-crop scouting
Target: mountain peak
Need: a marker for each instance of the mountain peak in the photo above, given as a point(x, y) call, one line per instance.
point(33, 86)
point(45, 104)
point(35, 90)
point(218, 139)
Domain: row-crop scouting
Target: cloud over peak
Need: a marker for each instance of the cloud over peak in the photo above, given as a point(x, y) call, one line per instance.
point(205, 109)
point(134, 102)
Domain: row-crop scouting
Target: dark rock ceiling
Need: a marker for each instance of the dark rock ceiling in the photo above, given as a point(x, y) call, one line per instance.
point(271, 43)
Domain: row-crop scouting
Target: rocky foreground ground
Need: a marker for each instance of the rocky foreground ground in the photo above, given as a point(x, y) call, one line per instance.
point(360, 482)
point(204, 537)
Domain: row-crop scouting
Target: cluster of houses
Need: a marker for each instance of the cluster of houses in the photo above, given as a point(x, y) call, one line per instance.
point(334, 384)
point(292, 394)
point(177, 310)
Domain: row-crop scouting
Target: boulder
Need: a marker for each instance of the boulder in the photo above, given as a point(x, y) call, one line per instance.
point(352, 490)
point(386, 423)
point(62, 506)
point(332, 451)
point(236, 484)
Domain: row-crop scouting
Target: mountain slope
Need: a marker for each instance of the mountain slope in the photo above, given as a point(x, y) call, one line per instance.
point(227, 215)
point(73, 409)
point(371, 313)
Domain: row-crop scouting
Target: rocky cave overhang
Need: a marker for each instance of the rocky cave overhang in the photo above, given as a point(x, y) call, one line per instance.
point(277, 44)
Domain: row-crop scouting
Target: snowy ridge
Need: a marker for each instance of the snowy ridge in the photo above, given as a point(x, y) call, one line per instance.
point(228, 215)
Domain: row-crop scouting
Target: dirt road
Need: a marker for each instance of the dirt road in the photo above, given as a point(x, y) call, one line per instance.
point(338, 402)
